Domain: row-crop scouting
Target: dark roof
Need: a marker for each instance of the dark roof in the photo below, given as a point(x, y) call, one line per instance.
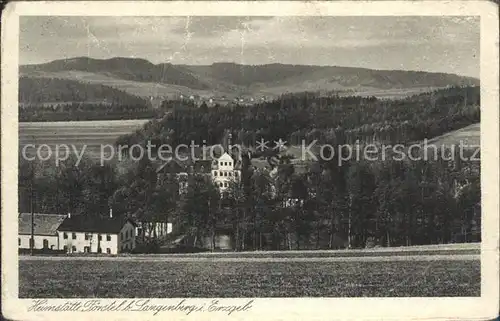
point(86, 223)
point(45, 224)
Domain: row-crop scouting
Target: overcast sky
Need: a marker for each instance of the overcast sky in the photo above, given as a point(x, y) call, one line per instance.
point(441, 44)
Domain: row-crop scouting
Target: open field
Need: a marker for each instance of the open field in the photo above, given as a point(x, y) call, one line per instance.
point(93, 134)
point(385, 273)
point(469, 135)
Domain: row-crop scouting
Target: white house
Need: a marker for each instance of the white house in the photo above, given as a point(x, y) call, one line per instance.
point(225, 170)
point(88, 234)
point(45, 230)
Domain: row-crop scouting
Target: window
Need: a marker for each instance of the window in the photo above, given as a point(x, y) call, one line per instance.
point(126, 234)
point(230, 174)
point(225, 173)
point(19, 241)
point(230, 163)
point(86, 249)
point(45, 244)
point(65, 235)
point(73, 236)
point(235, 174)
point(220, 184)
point(100, 237)
point(108, 250)
point(86, 236)
point(108, 237)
point(225, 163)
point(65, 249)
point(73, 248)
point(99, 250)
point(121, 236)
point(225, 184)
point(215, 173)
point(221, 163)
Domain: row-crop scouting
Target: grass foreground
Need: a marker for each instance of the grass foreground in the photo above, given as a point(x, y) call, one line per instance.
point(202, 278)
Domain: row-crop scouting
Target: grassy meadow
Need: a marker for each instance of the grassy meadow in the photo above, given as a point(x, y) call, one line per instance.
point(260, 275)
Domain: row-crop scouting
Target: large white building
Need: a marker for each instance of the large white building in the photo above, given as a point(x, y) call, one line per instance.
point(88, 234)
point(226, 170)
point(222, 171)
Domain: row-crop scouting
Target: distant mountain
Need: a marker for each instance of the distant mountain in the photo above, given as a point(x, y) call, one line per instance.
point(247, 75)
point(133, 69)
point(143, 78)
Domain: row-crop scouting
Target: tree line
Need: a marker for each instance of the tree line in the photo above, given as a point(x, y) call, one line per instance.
point(356, 204)
point(77, 111)
point(327, 119)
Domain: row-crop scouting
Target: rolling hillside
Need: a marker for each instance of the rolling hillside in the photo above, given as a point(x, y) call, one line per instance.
point(142, 78)
point(53, 90)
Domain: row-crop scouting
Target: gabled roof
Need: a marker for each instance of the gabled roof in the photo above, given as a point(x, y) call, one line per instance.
point(44, 224)
point(91, 224)
point(226, 156)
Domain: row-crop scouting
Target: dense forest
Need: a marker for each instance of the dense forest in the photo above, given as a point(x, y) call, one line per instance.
point(80, 111)
point(47, 99)
point(355, 204)
point(333, 119)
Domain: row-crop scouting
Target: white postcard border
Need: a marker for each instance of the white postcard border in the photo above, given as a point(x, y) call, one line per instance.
point(482, 307)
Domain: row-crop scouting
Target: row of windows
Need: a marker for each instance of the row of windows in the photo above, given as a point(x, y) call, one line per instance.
point(86, 249)
point(87, 236)
point(225, 184)
point(226, 173)
point(225, 163)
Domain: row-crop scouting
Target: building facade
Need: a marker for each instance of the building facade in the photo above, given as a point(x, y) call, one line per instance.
point(85, 234)
point(225, 170)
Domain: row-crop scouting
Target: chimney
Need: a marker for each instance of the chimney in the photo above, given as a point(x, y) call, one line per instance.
point(111, 213)
point(69, 215)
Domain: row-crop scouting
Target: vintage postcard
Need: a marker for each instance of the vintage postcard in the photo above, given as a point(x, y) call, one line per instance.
point(250, 160)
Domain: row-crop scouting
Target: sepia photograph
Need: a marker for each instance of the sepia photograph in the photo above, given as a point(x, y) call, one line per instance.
point(248, 156)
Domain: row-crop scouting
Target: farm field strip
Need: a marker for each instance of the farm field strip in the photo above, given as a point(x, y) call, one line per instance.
point(165, 258)
point(127, 279)
point(415, 248)
point(91, 134)
point(87, 123)
point(44, 134)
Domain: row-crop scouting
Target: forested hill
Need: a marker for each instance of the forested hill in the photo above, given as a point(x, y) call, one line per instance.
point(341, 120)
point(46, 90)
point(143, 78)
